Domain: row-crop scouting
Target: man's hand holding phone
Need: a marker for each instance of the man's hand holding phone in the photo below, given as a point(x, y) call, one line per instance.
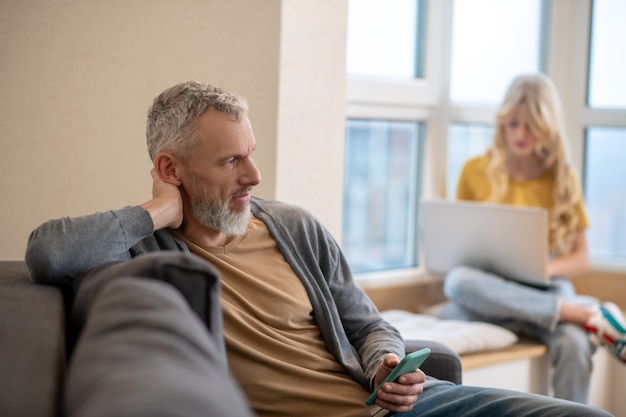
point(401, 382)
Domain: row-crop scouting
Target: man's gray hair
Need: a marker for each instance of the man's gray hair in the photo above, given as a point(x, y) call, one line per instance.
point(173, 118)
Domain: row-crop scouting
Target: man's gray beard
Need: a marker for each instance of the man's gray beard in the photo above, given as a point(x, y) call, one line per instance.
point(216, 215)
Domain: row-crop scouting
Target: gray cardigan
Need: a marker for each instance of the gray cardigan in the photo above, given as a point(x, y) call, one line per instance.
point(63, 249)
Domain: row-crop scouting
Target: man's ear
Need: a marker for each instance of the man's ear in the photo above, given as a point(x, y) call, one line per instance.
point(168, 168)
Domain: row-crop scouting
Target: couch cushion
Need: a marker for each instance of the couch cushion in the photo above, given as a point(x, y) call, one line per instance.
point(32, 344)
point(143, 350)
point(14, 271)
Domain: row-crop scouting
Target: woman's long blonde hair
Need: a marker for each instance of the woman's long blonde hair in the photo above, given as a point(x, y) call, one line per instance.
point(536, 96)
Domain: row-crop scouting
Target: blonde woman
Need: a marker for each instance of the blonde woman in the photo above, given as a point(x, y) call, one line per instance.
point(527, 165)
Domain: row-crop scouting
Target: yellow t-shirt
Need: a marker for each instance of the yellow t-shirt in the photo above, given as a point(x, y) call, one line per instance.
point(274, 346)
point(538, 192)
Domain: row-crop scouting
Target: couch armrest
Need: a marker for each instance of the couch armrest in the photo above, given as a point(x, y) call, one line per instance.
point(32, 344)
point(443, 363)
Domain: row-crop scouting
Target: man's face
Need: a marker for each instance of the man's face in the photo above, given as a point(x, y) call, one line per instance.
point(221, 173)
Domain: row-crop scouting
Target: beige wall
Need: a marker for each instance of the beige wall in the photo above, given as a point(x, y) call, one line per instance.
point(77, 77)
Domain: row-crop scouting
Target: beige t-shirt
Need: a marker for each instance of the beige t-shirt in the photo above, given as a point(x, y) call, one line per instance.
point(274, 346)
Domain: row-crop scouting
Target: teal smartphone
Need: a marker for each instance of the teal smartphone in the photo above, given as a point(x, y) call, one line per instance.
point(409, 363)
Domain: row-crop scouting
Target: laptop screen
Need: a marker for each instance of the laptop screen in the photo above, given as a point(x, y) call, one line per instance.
point(510, 241)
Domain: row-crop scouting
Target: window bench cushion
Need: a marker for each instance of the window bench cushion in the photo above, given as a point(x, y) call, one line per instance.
point(463, 337)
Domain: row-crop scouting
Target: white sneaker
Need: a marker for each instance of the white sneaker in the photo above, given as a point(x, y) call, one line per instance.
point(609, 327)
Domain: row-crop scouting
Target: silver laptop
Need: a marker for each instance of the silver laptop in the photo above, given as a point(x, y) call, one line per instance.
point(510, 241)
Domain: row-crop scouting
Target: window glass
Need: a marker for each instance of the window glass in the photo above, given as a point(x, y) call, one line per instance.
point(464, 142)
point(493, 41)
point(383, 40)
point(605, 192)
point(380, 194)
point(607, 64)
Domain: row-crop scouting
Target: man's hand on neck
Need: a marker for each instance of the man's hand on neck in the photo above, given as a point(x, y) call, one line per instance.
point(166, 205)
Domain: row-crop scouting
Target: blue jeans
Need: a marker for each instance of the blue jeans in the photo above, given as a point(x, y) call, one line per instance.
point(465, 401)
point(529, 312)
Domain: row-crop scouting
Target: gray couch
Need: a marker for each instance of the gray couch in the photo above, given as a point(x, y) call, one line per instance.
point(37, 340)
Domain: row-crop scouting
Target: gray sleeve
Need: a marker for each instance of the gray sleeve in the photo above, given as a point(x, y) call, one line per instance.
point(62, 249)
point(368, 332)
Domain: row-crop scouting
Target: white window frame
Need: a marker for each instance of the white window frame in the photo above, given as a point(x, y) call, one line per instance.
point(568, 58)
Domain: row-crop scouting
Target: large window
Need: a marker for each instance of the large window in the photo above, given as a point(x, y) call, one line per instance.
point(605, 192)
point(464, 141)
point(607, 63)
point(492, 41)
point(381, 188)
point(383, 40)
point(605, 141)
point(436, 71)
point(382, 154)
